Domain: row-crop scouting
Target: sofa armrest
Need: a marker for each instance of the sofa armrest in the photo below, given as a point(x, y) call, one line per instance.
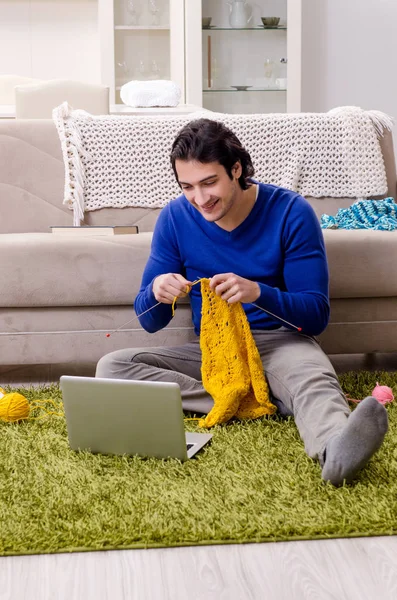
point(31, 177)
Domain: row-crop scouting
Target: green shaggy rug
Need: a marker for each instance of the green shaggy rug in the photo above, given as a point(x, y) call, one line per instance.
point(252, 483)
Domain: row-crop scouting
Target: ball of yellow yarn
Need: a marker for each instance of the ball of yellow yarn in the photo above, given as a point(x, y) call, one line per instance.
point(13, 407)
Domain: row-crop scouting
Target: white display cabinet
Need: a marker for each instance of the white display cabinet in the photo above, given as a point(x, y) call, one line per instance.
point(237, 65)
point(165, 39)
point(141, 39)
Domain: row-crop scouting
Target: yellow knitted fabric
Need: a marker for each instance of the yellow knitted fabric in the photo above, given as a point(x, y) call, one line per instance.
point(231, 369)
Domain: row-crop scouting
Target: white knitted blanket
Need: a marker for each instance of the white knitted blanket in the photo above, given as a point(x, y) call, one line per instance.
point(119, 161)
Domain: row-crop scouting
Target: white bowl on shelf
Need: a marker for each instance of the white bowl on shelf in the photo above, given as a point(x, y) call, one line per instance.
point(241, 88)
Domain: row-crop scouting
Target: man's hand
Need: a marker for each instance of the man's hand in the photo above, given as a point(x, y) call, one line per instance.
point(234, 288)
point(169, 285)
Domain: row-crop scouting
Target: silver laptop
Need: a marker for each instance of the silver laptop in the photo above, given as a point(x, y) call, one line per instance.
point(120, 416)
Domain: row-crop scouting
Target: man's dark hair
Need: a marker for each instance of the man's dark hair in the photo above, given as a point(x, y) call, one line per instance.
point(209, 141)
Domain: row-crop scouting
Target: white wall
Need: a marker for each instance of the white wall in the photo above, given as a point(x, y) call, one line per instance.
point(50, 39)
point(349, 55)
point(349, 48)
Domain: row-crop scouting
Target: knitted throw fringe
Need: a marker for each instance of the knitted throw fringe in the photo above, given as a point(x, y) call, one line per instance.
point(232, 370)
point(364, 214)
point(119, 161)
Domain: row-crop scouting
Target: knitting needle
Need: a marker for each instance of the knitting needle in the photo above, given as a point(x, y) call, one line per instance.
point(253, 303)
point(279, 318)
point(133, 319)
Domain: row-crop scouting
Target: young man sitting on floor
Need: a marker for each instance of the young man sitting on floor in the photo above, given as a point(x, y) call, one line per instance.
point(259, 244)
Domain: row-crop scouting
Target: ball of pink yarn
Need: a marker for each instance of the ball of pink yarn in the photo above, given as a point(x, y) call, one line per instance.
point(382, 393)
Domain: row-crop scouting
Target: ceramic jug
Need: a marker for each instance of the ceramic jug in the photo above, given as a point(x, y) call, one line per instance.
point(240, 13)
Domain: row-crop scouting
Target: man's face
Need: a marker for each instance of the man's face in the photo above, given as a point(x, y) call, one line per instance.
point(208, 187)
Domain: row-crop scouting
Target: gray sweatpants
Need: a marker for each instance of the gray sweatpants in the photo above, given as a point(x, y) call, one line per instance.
point(301, 379)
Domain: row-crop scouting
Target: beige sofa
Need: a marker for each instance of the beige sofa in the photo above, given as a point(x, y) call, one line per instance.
point(60, 296)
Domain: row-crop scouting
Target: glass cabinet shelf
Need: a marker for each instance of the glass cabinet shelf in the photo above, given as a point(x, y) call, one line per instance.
point(118, 88)
point(245, 91)
point(214, 28)
point(142, 27)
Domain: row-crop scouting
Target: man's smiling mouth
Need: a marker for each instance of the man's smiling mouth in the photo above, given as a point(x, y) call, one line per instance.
point(209, 207)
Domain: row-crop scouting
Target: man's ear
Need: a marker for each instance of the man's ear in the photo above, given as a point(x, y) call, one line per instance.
point(237, 170)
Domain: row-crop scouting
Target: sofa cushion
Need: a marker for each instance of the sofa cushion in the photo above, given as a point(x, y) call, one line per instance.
point(362, 262)
point(49, 270)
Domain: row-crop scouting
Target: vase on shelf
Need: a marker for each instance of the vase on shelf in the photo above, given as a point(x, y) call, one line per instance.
point(212, 80)
point(123, 72)
point(141, 71)
point(133, 9)
point(154, 70)
point(270, 66)
point(154, 11)
point(240, 14)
